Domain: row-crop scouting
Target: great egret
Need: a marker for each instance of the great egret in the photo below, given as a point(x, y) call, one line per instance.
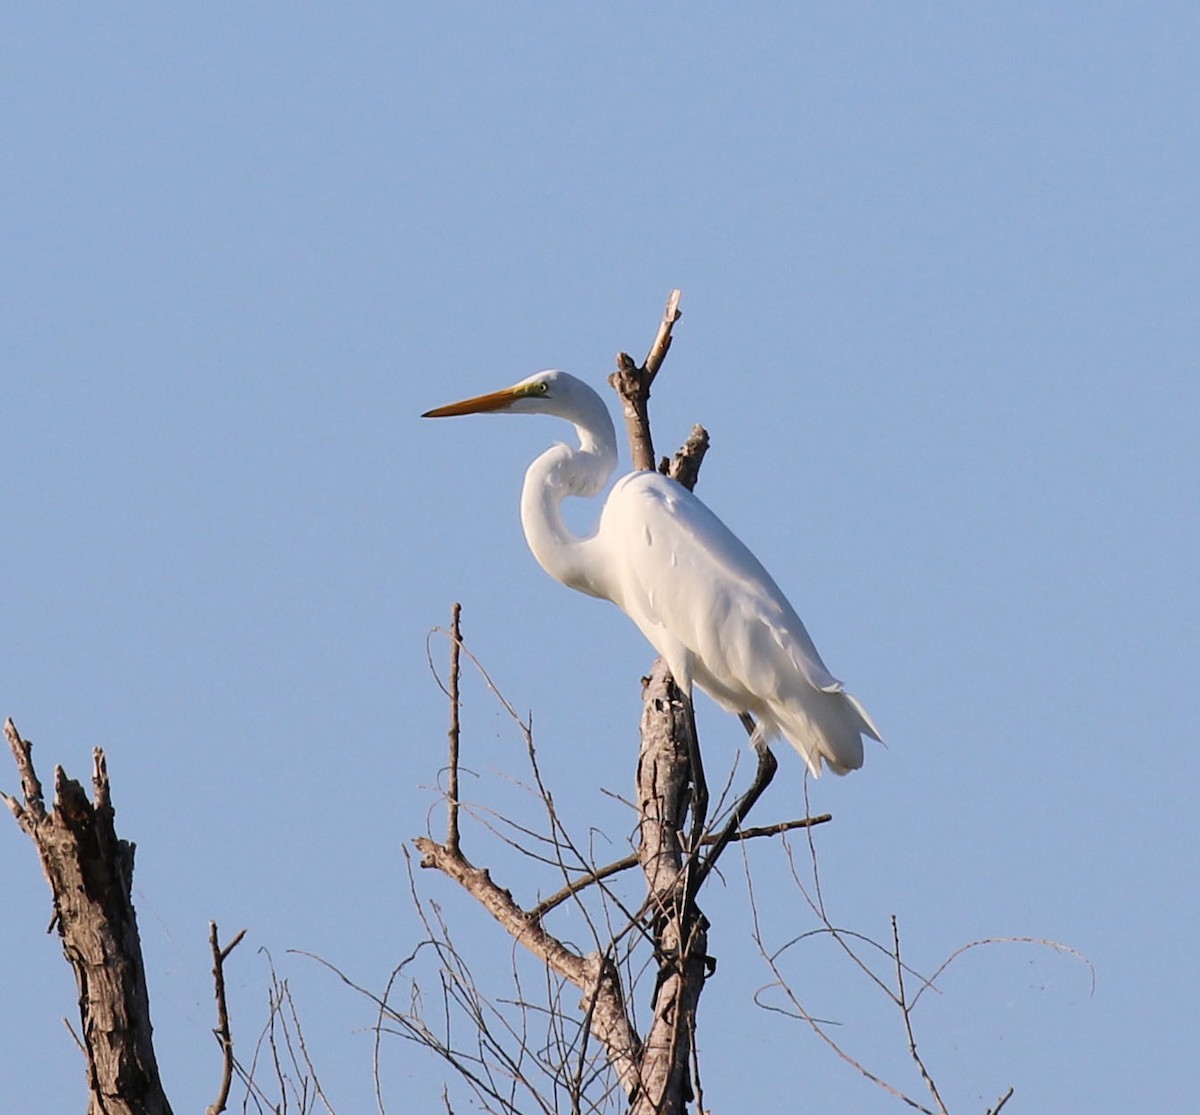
point(696, 592)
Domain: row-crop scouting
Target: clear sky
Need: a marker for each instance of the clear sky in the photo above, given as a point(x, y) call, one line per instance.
point(940, 267)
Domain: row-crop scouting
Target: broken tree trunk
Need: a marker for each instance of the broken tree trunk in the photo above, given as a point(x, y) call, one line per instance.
point(678, 927)
point(90, 871)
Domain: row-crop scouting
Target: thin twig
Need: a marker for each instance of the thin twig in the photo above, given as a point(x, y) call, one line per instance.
point(767, 765)
point(906, 1013)
point(310, 1068)
point(816, 902)
point(609, 1021)
point(275, 1005)
point(1002, 1101)
point(1045, 942)
point(75, 1037)
point(222, 1034)
point(560, 838)
point(452, 834)
point(814, 1023)
point(626, 862)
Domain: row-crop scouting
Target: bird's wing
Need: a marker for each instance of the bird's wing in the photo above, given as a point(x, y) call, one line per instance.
point(681, 569)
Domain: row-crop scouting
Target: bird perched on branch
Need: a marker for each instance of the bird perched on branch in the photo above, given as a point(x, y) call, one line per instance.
point(700, 597)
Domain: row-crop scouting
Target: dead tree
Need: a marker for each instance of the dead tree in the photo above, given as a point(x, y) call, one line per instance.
point(90, 871)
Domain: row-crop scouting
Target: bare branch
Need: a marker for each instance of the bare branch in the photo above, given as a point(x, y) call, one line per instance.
point(295, 1077)
point(452, 834)
point(592, 974)
point(906, 1013)
point(632, 385)
point(560, 839)
point(1000, 1103)
point(223, 1036)
point(765, 772)
point(75, 1037)
point(797, 1010)
point(31, 786)
point(1044, 942)
point(662, 342)
point(308, 1066)
point(626, 862)
point(684, 467)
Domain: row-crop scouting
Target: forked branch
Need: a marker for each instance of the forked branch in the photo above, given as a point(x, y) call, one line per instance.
point(222, 1032)
point(632, 383)
point(594, 974)
point(588, 878)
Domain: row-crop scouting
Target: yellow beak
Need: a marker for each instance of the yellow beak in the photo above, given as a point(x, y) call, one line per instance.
point(480, 404)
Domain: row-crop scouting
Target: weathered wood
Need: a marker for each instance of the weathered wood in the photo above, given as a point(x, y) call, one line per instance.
point(679, 929)
point(670, 781)
point(632, 384)
point(90, 872)
point(685, 465)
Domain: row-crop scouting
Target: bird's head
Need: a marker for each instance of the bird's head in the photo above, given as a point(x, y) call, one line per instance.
point(543, 393)
point(554, 393)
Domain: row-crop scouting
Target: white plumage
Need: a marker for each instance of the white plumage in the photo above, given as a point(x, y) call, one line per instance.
point(694, 590)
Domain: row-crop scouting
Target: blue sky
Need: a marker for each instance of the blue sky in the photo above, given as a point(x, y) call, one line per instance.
point(939, 269)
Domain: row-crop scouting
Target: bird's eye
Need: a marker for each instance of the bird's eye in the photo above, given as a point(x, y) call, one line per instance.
point(542, 388)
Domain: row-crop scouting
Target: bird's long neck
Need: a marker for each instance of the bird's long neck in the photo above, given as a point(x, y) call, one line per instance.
point(560, 472)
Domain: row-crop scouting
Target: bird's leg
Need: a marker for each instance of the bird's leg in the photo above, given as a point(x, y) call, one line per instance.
point(767, 765)
point(699, 785)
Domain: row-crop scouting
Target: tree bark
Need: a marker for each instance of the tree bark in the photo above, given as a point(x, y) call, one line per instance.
point(668, 782)
point(632, 385)
point(679, 929)
point(90, 871)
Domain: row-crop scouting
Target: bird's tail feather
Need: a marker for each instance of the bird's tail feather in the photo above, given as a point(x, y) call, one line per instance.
point(830, 733)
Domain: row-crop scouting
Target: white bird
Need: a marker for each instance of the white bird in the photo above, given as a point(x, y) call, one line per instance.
point(700, 597)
